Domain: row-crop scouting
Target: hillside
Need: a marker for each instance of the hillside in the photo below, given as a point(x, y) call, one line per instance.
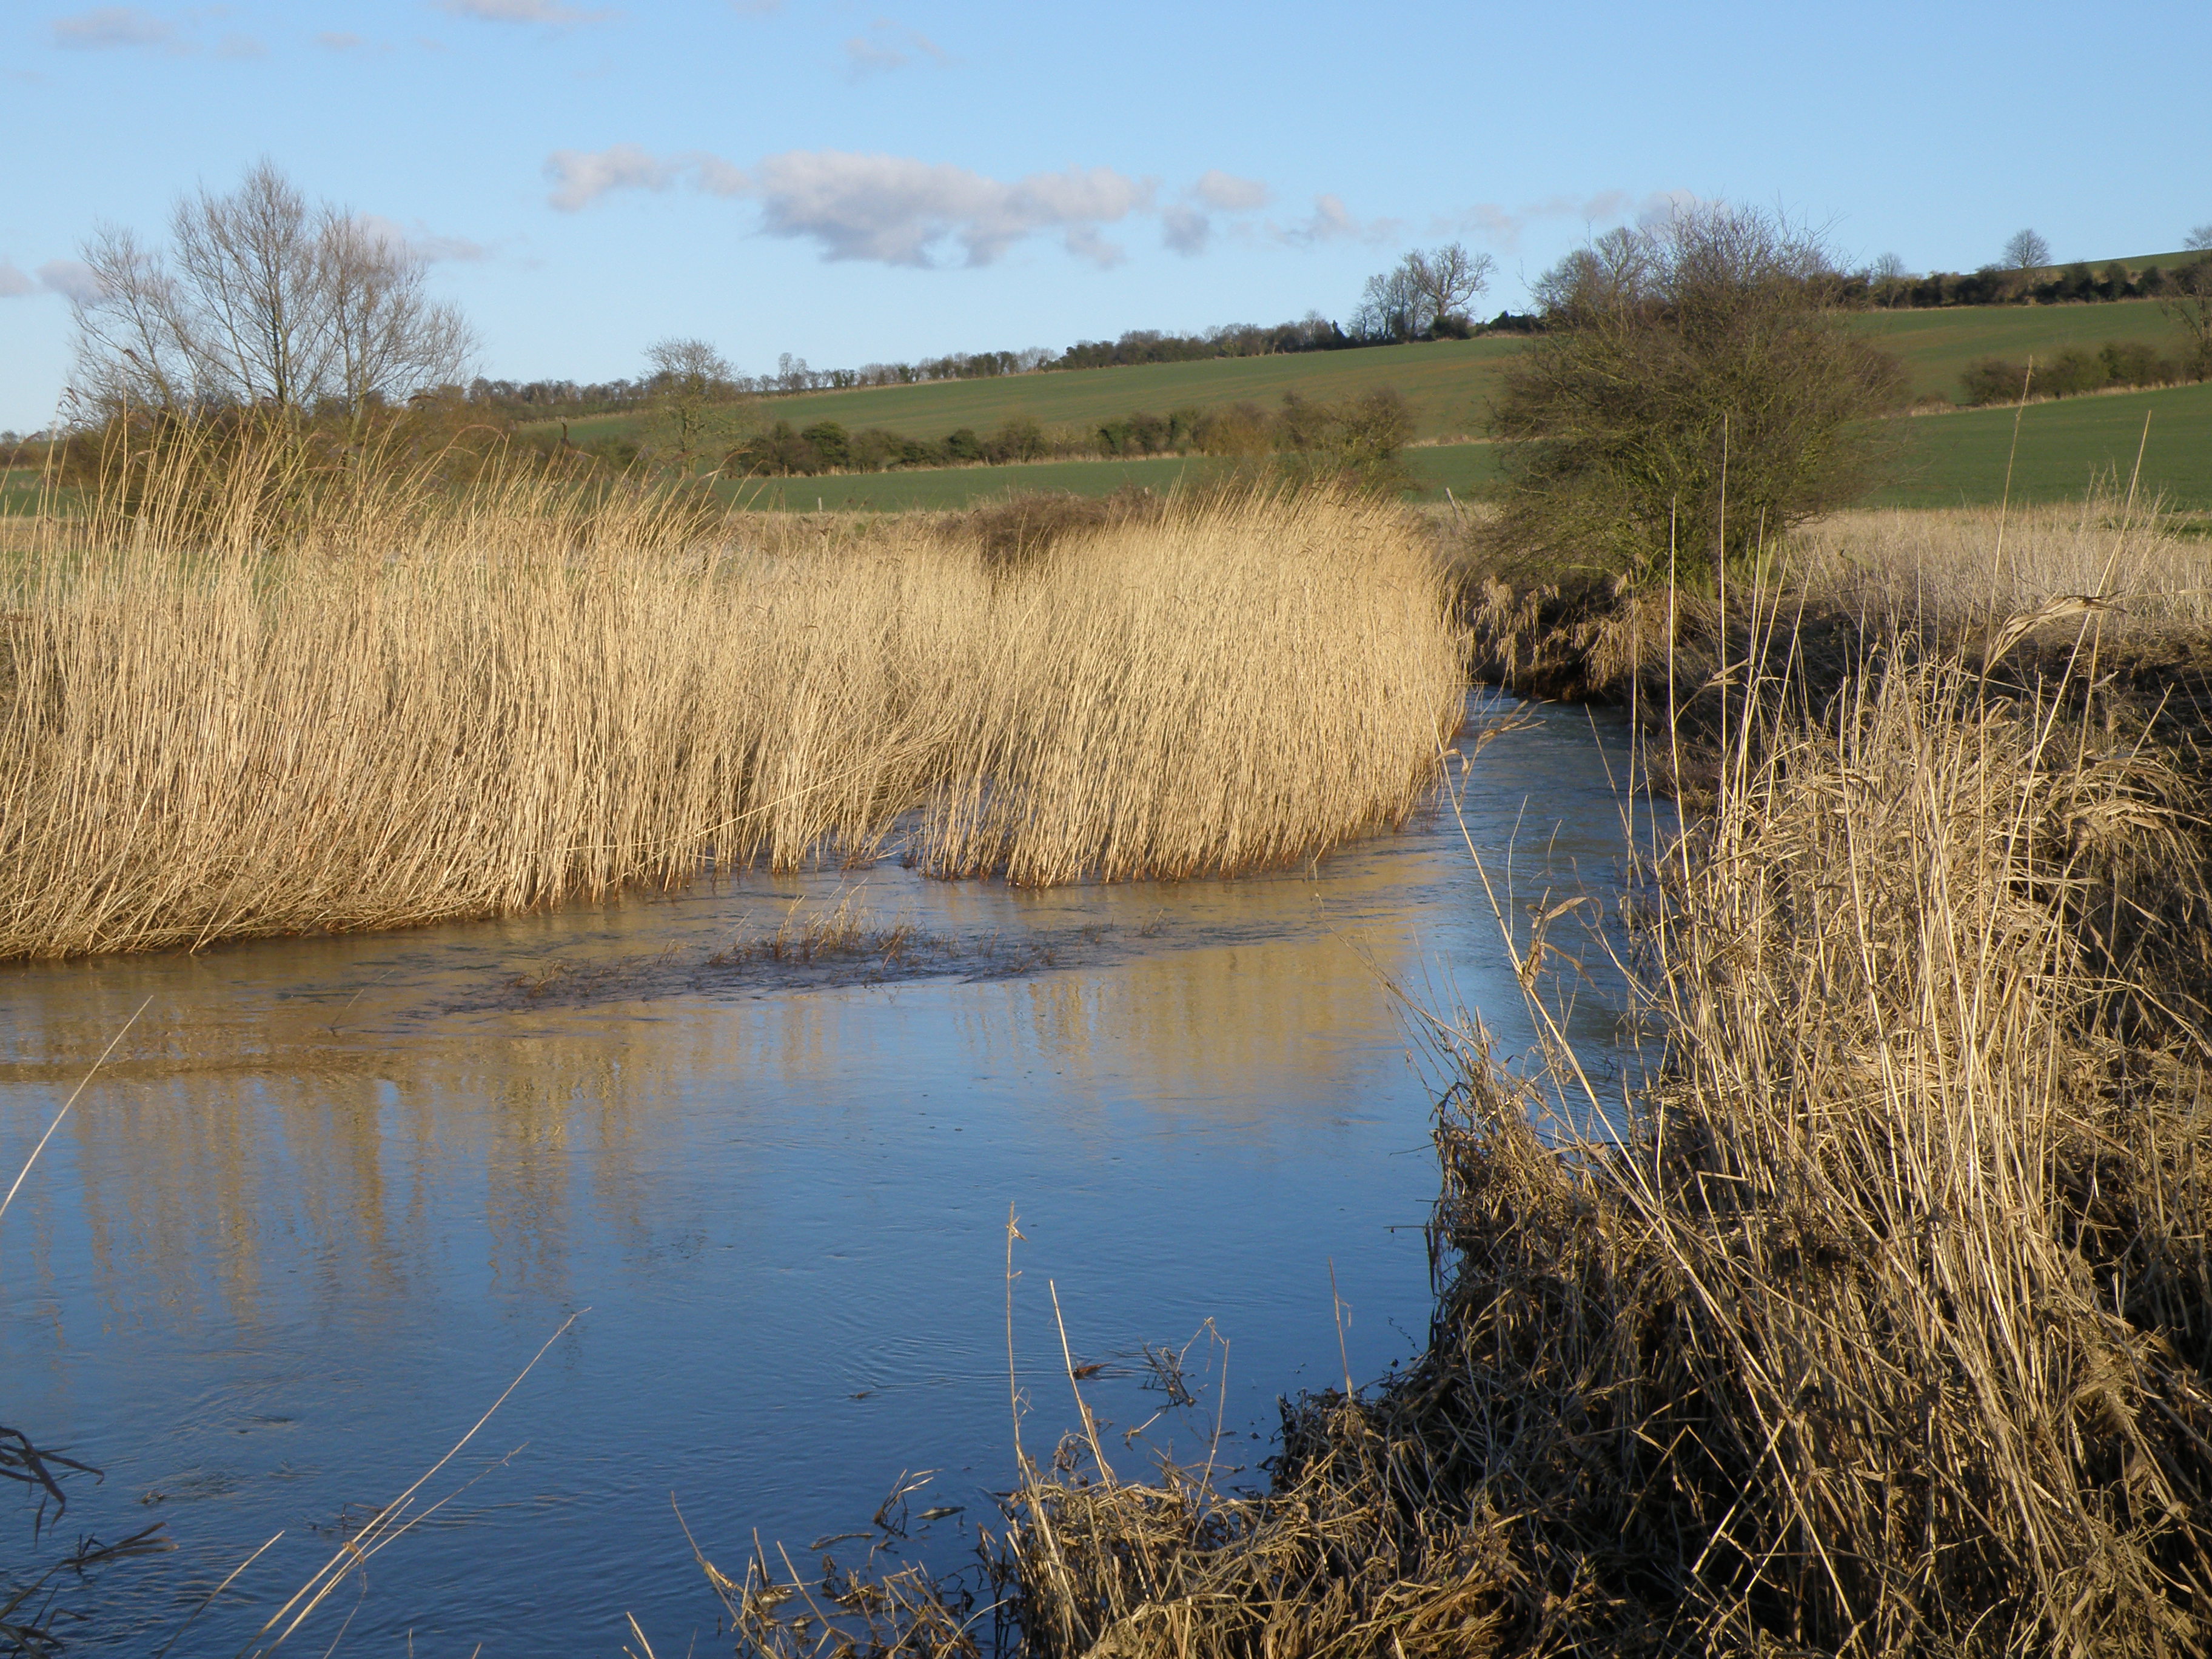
point(1937, 344)
point(1448, 382)
point(2064, 448)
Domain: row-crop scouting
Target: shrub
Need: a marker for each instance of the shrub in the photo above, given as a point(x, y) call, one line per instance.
point(1993, 380)
point(1699, 386)
point(2074, 371)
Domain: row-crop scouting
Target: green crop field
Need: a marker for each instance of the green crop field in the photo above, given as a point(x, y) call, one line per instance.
point(1936, 345)
point(1448, 383)
point(2065, 448)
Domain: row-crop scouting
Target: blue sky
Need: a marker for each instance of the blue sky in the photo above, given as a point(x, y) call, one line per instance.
point(851, 182)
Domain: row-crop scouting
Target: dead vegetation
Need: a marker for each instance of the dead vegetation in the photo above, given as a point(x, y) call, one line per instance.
point(1878, 1319)
point(1883, 1323)
point(235, 712)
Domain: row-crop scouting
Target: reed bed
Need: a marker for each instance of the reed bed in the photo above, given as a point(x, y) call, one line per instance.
point(1882, 1326)
point(1954, 578)
point(406, 706)
point(1949, 569)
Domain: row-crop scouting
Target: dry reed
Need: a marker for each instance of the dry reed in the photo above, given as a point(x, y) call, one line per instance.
point(1884, 1324)
point(403, 706)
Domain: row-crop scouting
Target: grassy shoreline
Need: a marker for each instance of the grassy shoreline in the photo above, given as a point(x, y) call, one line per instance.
point(393, 712)
point(1883, 1322)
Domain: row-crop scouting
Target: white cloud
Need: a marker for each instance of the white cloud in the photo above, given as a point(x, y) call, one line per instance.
point(892, 210)
point(888, 46)
point(581, 176)
point(1185, 229)
point(70, 279)
point(14, 284)
point(895, 209)
point(106, 28)
point(1229, 194)
point(340, 40)
point(424, 244)
point(1503, 227)
point(240, 47)
point(1332, 221)
point(520, 11)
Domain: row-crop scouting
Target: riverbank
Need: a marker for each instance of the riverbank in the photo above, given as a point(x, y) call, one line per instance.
point(399, 707)
point(1878, 1323)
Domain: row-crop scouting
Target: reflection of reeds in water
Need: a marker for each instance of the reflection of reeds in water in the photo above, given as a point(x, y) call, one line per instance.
point(1881, 1328)
point(411, 711)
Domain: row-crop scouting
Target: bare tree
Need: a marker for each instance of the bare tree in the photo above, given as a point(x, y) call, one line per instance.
point(1428, 288)
point(1448, 279)
point(2199, 239)
point(694, 391)
point(2026, 250)
point(263, 302)
point(2188, 301)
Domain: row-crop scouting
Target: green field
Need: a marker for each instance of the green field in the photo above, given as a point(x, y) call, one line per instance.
point(1448, 382)
point(1936, 345)
point(1954, 457)
point(2065, 448)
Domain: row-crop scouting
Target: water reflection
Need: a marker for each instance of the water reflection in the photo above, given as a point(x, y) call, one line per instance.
point(330, 1193)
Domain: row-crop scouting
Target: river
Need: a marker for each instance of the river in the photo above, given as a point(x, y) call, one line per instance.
point(329, 1196)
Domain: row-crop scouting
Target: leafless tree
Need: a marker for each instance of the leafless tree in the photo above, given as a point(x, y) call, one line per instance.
point(694, 391)
point(2188, 301)
point(1428, 287)
point(2199, 239)
point(2026, 250)
point(1448, 279)
point(263, 302)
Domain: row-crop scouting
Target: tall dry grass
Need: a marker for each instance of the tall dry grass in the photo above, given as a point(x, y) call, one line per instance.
point(1885, 1324)
point(395, 705)
point(1945, 568)
point(1951, 576)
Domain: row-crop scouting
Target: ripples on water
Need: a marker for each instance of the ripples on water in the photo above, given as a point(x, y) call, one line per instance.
point(331, 1194)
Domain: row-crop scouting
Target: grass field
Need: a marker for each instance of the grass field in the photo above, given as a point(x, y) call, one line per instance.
point(1936, 345)
point(2064, 447)
point(1448, 382)
point(1951, 460)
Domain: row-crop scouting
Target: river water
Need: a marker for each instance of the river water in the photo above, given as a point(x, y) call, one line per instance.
point(329, 1196)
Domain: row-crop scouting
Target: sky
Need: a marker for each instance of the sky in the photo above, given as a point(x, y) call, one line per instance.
point(850, 183)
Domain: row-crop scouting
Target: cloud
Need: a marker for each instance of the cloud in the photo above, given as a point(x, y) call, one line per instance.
point(70, 279)
point(339, 40)
point(1186, 227)
point(1332, 221)
point(424, 244)
point(1229, 194)
point(581, 176)
point(892, 210)
point(888, 46)
point(520, 11)
point(1503, 227)
point(240, 46)
point(14, 284)
point(106, 27)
